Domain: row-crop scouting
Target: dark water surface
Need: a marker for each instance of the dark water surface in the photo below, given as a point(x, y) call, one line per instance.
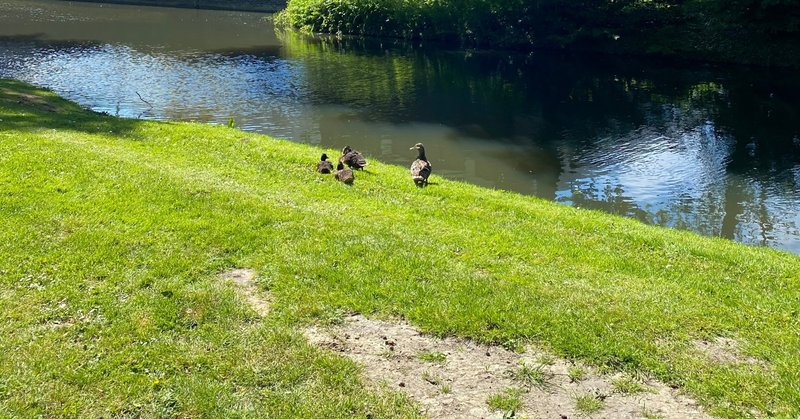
point(709, 149)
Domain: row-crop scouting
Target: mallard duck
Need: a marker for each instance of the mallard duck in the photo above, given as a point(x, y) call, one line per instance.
point(421, 167)
point(353, 159)
point(324, 166)
point(344, 175)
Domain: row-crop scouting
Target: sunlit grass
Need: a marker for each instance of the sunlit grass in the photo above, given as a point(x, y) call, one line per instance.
point(114, 232)
point(588, 403)
point(628, 386)
point(433, 356)
point(508, 400)
point(576, 373)
point(530, 376)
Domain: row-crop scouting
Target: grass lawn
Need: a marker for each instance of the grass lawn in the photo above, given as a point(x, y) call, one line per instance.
point(113, 233)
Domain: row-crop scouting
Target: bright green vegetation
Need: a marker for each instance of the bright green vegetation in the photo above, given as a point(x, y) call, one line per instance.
point(114, 232)
point(588, 403)
point(530, 376)
point(764, 32)
point(576, 373)
point(433, 356)
point(508, 400)
point(628, 386)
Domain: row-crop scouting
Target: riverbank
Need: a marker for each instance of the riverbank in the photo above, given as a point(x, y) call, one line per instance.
point(763, 34)
point(266, 6)
point(115, 232)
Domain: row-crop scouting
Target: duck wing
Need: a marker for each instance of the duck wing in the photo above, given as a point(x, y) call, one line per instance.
point(354, 159)
point(420, 170)
point(345, 176)
point(325, 167)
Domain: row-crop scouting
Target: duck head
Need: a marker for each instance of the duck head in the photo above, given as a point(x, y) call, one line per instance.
point(324, 157)
point(421, 149)
point(340, 166)
point(346, 149)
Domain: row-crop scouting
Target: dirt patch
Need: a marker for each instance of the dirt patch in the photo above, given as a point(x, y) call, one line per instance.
point(245, 282)
point(723, 351)
point(452, 378)
point(28, 99)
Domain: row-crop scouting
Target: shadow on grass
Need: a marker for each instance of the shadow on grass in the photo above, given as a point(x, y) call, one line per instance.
point(27, 108)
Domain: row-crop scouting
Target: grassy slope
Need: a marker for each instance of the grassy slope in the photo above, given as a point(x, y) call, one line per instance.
point(113, 232)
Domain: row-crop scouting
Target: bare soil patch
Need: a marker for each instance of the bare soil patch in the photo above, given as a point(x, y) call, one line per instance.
point(245, 282)
point(724, 351)
point(454, 378)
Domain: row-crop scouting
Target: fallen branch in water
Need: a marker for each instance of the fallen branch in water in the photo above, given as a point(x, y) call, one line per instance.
point(142, 99)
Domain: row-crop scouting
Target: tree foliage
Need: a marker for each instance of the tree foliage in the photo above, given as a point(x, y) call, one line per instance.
point(749, 31)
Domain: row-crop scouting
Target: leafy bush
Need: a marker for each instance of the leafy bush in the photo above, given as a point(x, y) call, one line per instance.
point(752, 31)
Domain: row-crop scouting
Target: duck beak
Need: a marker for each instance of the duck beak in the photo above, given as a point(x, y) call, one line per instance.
point(412, 148)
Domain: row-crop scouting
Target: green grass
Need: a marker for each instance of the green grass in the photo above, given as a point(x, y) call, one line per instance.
point(114, 231)
point(588, 404)
point(530, 376)
point(628, 386)
point(576, 373)
point(433, 356)
point(508, 400)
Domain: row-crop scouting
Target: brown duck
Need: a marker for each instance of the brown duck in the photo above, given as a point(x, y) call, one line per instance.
point(324, 166)
point(344, 175)
point(353, 159)
point(421, 167)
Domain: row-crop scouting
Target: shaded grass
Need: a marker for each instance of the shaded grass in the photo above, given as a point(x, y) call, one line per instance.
point(113, 233)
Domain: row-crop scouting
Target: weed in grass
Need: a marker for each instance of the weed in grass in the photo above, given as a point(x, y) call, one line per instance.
point(432, 377)
point(547, 359)
point(647, 414)
point(576, 373)
point(530, 376)
point(433, 356)
point(588, 403)
point(334, 317)
point(628, 386)
point(446, 389)
point(509, 400)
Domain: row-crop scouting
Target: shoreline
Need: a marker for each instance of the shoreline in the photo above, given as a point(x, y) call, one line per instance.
point(116, 231)
point(264, 6)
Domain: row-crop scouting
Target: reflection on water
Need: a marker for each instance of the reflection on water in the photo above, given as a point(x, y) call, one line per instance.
point(712, 150)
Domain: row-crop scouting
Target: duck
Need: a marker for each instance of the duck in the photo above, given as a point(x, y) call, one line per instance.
point(352, 158)
point(421, 167)
point(343, 175)
point(324, 166)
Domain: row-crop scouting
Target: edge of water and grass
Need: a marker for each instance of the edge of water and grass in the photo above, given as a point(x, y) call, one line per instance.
point(114, 233)
point(265, 6)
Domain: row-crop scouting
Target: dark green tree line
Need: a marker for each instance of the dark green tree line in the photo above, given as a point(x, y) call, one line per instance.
point(746, 31)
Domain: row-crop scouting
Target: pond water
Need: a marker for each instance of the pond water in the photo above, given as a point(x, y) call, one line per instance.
point(706, 148)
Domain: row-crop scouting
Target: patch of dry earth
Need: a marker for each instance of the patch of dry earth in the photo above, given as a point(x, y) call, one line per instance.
point(245, 282)
point(459, 386)
point(724, 351)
